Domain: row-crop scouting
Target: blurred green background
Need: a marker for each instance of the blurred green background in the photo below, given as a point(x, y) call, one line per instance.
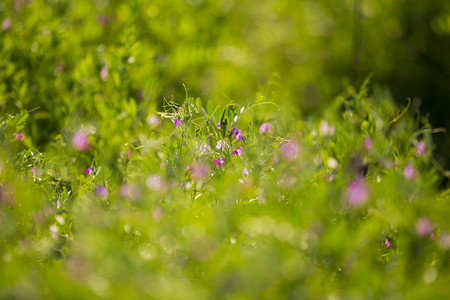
point(297, 51)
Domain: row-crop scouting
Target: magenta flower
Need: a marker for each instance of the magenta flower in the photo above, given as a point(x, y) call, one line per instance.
point(238, 151)
point(89, 170)
point(80, 141)
point(177, 122)
point(290, 150)
point(6, 24)
point(220, 162)
point(409, 172)
point(19, 136)
point(357, 193)
point(265, 127)
point(218, 125)
point(101, 192)
point(236, 133)
point(423, 227)
point(368, 143)
point(387, 243)
point(221, 145)
point(421, 148)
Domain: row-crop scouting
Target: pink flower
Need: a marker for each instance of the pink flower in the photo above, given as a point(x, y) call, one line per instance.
point(218, 125)
point(421, 148)
point(19, 136)
point(387, 243)
point(236, 133)
point(129, 192)
point(101, 191)
point(265, 127)
point(199, 171)
point(153, 121)
point(80, 141)
point(244, 172)
point(238, 151)
point(177, 122)
point(368, 143)
point(156, 182)
point(423, 227)
point(357, 193)
point(221, 145)
point(58, 204)
point(325, 128)
point(6, 24)
point(129, 152)
point(409, 172)
point(104, 73)
point(219, 162)
point(89, 170)
point(290, 150)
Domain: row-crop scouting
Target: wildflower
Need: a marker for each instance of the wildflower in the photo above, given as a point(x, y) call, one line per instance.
point(236, 133)
point(155, 182)
point(219, 162)
point(153, 120)
point(368, 143)
point(265, 127)
point(218, 125)
point(89, 170)
point(387, 243)
point(423, 227)
point(19, 136)
point(53, 231)
point(325, 128)
point(244, 172)
point(444, 241)
point(129, 152)
point(332, 163)
point(199, 171)
point(238, 151)
point(177, 122)
point(420, 149)
point(80, 141)
point(104, 73)
point(290, 150)
point(101, 191)
point(58, 204)
point(6, 24)
point(357, 192)
point(221, 145)
point(129, 192)
point(409, 172)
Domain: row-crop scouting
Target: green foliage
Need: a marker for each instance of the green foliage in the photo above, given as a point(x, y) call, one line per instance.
point(116, 183)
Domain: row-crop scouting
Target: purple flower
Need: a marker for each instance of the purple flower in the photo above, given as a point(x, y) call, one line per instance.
point(177, 122)
point(220, 162)
point(290, 150)
point(265, 127)
point(409, 172)
point(387, 243)
point(368, 143)
point(89, 170)
point(238, 151)
point(101, 191)
point(423, 227)
point(19, 136)
point(421, 148)
point(236, 133)
point(221, 145)
point(218, 125)
point(80, 141)
point(357, 193)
